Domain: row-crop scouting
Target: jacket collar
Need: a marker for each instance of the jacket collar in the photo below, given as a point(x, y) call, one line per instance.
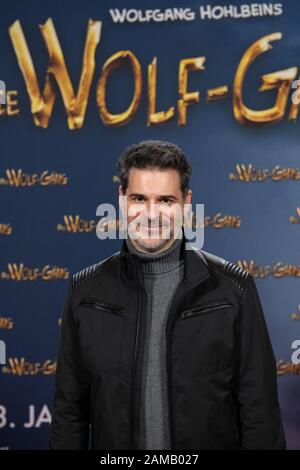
point(196, 268)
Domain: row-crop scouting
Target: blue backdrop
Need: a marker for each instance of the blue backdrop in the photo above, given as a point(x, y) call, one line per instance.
point(251, 220)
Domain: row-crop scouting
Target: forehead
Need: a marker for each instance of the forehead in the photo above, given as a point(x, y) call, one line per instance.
point(153, 180)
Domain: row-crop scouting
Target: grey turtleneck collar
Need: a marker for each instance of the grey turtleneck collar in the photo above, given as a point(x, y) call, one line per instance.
point(158, 263)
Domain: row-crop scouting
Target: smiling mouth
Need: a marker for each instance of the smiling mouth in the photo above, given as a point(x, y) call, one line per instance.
point(151, 226)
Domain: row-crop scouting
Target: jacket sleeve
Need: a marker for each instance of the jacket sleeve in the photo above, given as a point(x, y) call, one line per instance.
point(70, 417)
point(259, 411)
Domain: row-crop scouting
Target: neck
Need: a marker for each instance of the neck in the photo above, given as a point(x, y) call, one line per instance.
point(161, 262)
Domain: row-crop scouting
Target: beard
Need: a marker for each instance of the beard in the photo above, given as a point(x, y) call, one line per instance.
point(155, 240)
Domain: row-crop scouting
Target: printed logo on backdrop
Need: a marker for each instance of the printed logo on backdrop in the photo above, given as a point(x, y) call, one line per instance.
point(36, 417)
point(42, 102)
point(53, 83)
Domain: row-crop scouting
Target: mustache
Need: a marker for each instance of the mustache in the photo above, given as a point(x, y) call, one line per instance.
point(144, 221)
point(150, 225)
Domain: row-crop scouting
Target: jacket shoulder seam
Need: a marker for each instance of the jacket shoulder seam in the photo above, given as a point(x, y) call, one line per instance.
point(237, 275)
point(90, 271)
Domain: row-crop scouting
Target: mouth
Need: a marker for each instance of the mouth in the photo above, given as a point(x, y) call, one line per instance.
point(152, 229)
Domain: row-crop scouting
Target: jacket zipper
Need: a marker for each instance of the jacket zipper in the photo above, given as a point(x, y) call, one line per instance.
point(133, 381)
point(170, 398)
point(169, 368)
point(199, 310)
point(169, 375)
point(118, 309)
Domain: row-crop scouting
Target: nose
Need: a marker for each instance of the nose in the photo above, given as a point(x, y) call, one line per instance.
point(154, 214)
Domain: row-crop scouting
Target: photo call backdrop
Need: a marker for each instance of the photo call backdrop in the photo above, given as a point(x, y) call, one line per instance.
point(80, 81)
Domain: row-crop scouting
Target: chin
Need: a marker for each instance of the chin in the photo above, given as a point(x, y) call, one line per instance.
point(150, 243)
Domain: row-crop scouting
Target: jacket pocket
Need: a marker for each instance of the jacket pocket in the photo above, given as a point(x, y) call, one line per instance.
point(205, 308)
point(103, 305)
point(204, 338)
point(101, 332)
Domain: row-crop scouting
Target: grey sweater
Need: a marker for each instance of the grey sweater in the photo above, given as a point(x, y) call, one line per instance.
point(162, 274)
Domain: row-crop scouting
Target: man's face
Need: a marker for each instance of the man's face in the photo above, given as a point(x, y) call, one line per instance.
point(154, 207)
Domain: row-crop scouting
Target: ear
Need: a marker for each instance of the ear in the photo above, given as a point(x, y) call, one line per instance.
point(188, 197)
point(121, 201)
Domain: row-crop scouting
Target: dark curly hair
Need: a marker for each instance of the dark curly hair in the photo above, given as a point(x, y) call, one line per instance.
point(154, 154)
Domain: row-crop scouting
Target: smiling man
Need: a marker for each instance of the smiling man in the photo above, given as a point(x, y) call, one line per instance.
point(163, 346)
point(155, 207)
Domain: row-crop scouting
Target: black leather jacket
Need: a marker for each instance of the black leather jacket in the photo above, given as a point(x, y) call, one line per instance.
point(222, 380)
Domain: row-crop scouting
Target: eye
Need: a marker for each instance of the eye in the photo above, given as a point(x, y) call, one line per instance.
point(167, 201)
point(138, 198)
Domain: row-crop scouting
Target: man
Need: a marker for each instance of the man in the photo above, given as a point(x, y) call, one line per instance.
point(163, 347)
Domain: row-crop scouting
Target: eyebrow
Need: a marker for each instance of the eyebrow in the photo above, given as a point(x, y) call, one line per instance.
point(162, 196)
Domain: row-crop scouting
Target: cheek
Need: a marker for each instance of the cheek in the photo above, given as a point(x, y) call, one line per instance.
point(133, 215)
point(172, 216)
